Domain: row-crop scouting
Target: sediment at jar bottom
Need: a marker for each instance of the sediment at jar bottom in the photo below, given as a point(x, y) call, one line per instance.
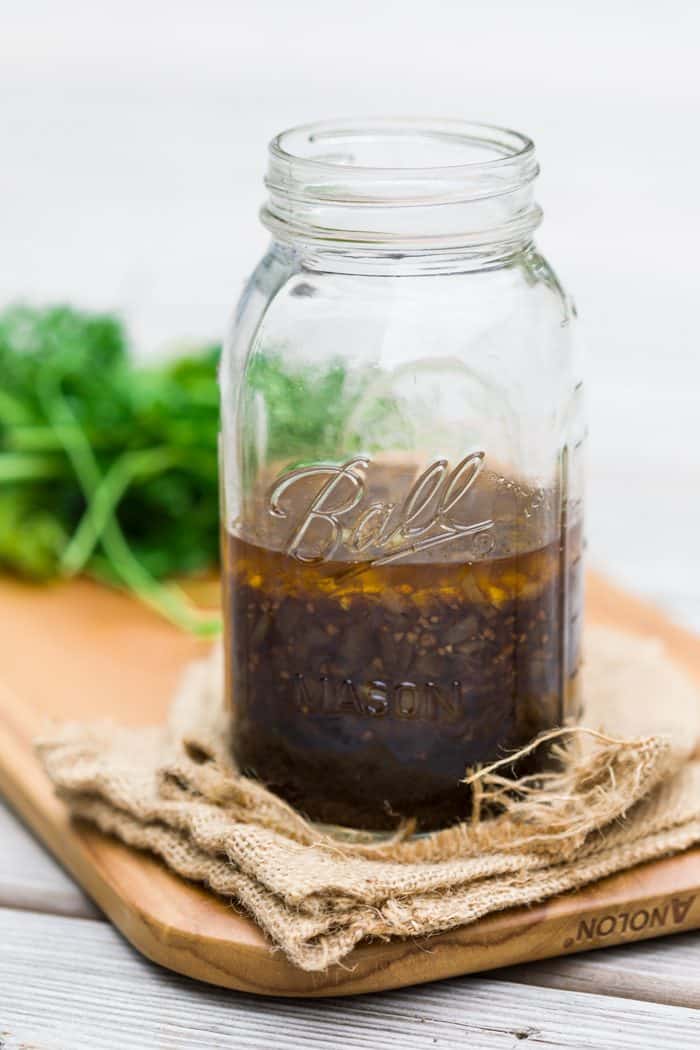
point(363, 697)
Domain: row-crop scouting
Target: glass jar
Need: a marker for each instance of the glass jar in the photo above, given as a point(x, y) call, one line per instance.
point(401, 447)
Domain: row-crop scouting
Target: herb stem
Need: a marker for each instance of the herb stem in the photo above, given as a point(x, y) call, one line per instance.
point(129, 467)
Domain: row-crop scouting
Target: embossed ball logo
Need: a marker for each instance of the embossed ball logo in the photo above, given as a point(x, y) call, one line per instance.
point(434, 511)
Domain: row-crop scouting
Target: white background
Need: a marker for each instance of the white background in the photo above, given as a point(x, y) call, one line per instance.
point(133, 147)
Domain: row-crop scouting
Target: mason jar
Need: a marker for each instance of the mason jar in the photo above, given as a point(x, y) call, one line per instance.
point(401, 473)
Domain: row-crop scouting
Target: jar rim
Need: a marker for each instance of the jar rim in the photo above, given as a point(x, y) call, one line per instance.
point(510, 145)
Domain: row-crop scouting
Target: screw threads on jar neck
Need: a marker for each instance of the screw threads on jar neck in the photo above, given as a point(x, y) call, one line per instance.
point(381, 187)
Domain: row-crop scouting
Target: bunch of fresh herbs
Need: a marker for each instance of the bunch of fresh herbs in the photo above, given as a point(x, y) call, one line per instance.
point(106, 467)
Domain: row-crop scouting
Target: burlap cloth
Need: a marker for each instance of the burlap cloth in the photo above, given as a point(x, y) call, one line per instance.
point(173, 790)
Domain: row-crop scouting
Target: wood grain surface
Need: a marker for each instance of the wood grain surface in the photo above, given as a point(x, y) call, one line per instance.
point(127, 1003)
point(79, 651)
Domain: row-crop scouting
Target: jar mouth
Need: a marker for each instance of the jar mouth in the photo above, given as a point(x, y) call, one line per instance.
point(400, 180)
point(403, 146)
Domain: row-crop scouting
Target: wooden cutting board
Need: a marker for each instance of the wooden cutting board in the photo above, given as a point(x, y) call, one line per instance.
point(78, 651)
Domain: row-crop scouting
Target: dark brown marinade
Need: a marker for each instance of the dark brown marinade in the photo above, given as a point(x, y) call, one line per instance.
point(363, 697)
